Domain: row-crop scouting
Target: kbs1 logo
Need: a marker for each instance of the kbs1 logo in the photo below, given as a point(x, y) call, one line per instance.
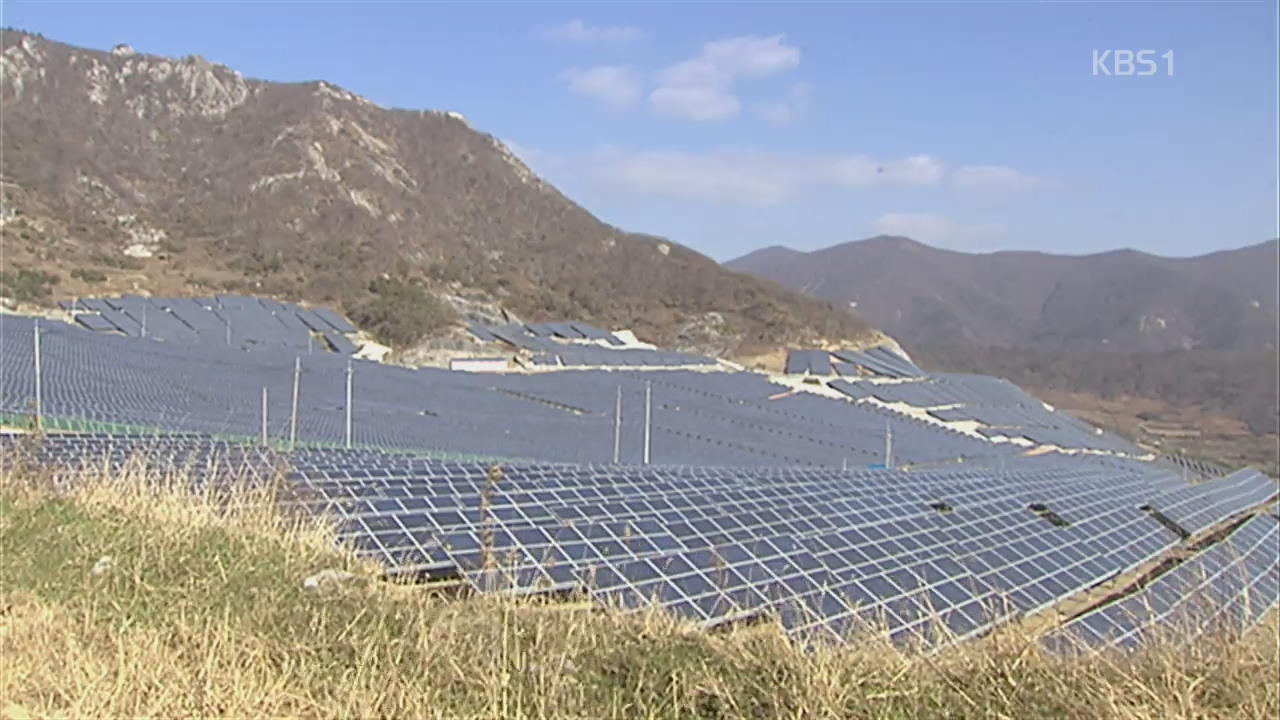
point(1129, 63)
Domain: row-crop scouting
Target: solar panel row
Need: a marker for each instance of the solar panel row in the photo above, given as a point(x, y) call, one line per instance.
point(938, 554)
point(1228, 586)
point(880, 361)
point(254, 322)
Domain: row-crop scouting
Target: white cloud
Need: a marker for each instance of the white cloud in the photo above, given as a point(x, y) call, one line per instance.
point(787, 110)
point(701, 88)
point(578, 32)
point(861, 171)
point(618, 86)
point(745, 177)
point(694, 102)
point(935, 229)
point(752, 56)
point(992, 177)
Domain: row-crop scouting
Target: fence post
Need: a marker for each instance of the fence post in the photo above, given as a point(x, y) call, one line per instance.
point(264, 415)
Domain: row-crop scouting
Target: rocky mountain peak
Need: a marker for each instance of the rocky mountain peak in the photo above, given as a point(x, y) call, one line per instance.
point(308, 191)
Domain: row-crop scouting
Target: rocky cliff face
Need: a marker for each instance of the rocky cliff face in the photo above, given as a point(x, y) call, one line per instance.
point(127, 172)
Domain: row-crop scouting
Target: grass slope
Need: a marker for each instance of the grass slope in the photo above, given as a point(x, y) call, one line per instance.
point(201, 611)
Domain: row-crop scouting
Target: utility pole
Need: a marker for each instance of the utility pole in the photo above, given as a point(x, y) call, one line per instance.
point(888, 446)
point(293, 413)
point(144, 321)
point(648, 417)
point(39, 398)
point(617, 428)
point(348, 404)
point(227, 320)
point(264, 415)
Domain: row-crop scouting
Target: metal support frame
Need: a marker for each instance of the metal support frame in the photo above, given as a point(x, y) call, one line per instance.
point(293, 412)
point(648, 417)
point(349, 374)
point(39, 388)
point(617, 428)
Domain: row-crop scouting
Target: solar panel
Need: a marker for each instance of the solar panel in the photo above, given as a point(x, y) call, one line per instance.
point(1230, 585)
point(336, 321)
point(313, 322)
point(94, 322)
point(123, 322)
point(94, 304)
point(481, 333)
point(590, 332)
point(797, 362)
point(820, 363)
point(339, 343)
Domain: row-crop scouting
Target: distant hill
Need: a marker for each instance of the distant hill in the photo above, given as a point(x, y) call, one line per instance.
point(1122, 300)
point(126, 172)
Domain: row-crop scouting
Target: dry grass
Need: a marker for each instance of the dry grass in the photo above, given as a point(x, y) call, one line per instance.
point(202, 613)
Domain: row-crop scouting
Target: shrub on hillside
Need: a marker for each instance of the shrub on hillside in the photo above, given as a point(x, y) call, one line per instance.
point(89, 275)
point(400, 313)
point(27, 285)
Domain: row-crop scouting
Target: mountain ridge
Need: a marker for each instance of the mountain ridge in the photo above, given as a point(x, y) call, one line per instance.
point(1122, 299)
point(127, 172)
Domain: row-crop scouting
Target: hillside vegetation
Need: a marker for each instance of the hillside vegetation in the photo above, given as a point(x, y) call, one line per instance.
point(1122, 300)
point(1237, 384)
point(213, 182)
point(128, 597)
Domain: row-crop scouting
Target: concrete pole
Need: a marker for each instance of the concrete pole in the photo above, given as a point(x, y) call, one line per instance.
point(228, 322)
point(264, 415)
point(293, 413)
point(39, 391)
point(144, 321)
point(648, 417)
point(888, 446)
point(348, 404)
point(617, 428)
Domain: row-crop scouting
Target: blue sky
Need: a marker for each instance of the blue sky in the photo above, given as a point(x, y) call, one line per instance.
point(729, 127)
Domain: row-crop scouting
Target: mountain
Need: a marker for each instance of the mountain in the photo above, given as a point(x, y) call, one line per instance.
point(126, 172)
point(1121, 300)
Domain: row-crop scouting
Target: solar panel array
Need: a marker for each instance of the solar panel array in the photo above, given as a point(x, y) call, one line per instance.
point(540, 336)
point(712, 418)
point(937, 555)
point(881, 361)
point(877, 361)
point(1193, 467)
point(998, 409)
point(578, 345)
point(759, 501)
point(812, 362)
point(1228, 586)
point(246, 323)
